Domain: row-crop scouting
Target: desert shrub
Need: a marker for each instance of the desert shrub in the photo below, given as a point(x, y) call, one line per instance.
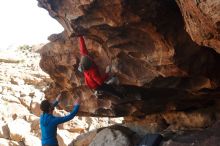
point(25, 48)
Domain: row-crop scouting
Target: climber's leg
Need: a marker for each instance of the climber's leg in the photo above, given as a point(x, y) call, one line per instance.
point(109, 90)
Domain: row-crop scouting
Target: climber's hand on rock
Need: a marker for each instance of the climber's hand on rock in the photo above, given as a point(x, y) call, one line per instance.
point(77, 101)
point(108, 69)
point(113, 80)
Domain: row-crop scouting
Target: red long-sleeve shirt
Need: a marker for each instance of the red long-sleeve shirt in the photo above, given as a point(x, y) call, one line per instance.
point(82, 46)
point(92, 76)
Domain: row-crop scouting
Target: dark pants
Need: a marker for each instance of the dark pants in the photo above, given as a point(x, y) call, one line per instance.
point(109, 89)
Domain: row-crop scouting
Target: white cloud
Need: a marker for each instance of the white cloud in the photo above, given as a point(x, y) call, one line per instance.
point(23, 22)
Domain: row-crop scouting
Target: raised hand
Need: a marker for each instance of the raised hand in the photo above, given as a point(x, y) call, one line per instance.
point(58, 97)
point(108, 69)
point(77, 101)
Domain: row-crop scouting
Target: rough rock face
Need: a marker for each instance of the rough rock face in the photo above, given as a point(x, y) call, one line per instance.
point(117, 135)
point(202, 21)
point(171, 69)
point(210, 136)
point(114, 135)
point(104, 136)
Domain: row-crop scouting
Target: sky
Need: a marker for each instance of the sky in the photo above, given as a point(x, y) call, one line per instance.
point(23, 22)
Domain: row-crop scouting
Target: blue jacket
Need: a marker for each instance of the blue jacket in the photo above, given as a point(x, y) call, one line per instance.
point(48, 125)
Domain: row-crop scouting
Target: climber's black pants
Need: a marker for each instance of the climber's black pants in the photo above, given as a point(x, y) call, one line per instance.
point(109, 89)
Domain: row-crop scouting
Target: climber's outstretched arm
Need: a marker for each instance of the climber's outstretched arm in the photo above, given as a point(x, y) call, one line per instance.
point(71, 115)
point(55, 103)
point(82, 46)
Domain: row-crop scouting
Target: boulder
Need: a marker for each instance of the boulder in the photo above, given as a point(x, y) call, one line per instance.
point(84, 139)
point(1, 89)
point(25, 92)
point(6, 142)
point(114, 135)
point(34, 121)
point(109, 137)
point(10, 98)
point(4, 131)
point(207, 137)
point(14, 110)
point(17, 81)
point(65, 137)
point(35, 108)
point(18, 129)
point(26, 101)
point(30, 140)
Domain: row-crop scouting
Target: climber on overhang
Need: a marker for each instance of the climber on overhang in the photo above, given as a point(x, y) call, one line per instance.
point(93, 79)
point(49, 123)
